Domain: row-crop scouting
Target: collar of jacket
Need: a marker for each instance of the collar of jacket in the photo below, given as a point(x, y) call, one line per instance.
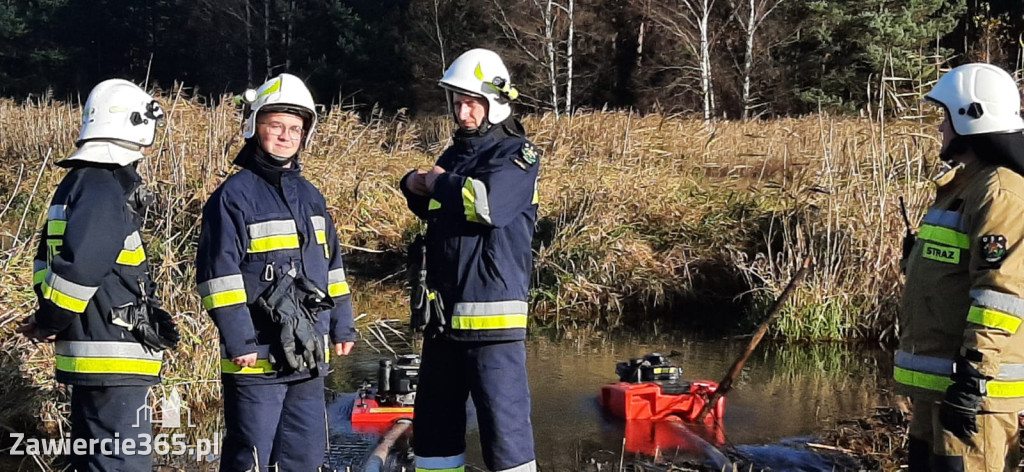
point(476, 140)
point(959, 173)
point(103, 153)
point(253, 158)
point(126, 175)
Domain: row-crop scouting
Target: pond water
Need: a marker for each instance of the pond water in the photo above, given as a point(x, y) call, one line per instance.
point(786, 391)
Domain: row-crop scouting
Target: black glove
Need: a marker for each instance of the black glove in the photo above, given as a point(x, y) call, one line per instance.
point(158, 331)
point(149, 324)
point(959, 410)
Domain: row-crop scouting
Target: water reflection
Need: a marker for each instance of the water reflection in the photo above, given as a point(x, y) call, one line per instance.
point(785, 390)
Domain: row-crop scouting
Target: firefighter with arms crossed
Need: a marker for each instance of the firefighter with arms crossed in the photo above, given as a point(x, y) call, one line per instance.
point(961, 351)
point(480, 204)
point(92, 279)
point(270, 274)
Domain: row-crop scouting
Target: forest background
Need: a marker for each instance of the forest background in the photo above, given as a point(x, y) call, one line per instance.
point(716, 58)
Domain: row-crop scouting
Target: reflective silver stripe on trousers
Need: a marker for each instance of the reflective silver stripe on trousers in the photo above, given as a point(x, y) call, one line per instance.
point(527, 467)
point(57, 212)
point(440, 463)
point(510, 307)
point(946, 219)
point(221, 284)
point(335, 276)
point(114, 349)
point(925, 364)
point(483, 206)
point(319, 223)
point(133, 241)
point(999, 301)
point(272, 228)
point(69, 288)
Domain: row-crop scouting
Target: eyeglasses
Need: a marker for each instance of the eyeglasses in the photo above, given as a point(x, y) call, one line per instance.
point(277, 128)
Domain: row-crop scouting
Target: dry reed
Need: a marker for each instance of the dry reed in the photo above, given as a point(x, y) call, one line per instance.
point(657, 212)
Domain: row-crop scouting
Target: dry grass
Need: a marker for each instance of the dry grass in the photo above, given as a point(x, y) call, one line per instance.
point(660, 213)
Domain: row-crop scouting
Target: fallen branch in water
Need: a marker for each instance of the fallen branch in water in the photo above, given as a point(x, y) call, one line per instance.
point(725, 385)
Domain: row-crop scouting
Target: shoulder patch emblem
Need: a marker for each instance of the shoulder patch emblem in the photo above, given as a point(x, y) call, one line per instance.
point(993, 248)
point(529, 153)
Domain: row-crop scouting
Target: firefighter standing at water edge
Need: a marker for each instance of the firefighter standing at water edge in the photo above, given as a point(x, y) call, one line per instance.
point(93, 283)
point(270, 273)
point(480, 204)
point(961, 351)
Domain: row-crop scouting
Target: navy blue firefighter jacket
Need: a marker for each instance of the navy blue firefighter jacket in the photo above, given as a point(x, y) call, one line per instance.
point(258, 225)
point(480, 225)
point(90, 260)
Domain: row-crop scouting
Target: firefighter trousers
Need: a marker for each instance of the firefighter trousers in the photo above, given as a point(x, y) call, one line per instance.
point(107, 418)
point(494, 373)
point(279, 424)
point(993, 449)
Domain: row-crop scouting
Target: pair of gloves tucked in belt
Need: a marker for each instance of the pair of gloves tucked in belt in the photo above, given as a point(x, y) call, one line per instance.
point(294, 304)
point(959, 410)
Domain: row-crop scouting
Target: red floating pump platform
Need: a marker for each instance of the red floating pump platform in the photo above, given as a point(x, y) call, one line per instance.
point(653, 401)
point(650, 388)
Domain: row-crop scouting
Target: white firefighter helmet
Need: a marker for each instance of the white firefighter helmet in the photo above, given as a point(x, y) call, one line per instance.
point(285, 93)
point(980, 99)
point(481, 73)
point(118, 118)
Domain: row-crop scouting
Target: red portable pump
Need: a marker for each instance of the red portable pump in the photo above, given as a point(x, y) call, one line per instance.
point(660, 408)
point(650, 388)
point(393, 398)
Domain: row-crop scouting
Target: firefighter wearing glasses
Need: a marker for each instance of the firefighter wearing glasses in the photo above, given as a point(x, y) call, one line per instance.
point(961, 353)
point(270, 274)
point(93, 282)
point(480, 204)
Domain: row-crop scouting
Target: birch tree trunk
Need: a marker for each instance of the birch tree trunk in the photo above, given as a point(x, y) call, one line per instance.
point(705, 59)
point(440, 38)
point(549, 44)
point(748, 62)
point(570, 37)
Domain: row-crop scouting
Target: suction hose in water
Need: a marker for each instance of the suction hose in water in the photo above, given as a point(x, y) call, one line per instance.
point(375, 463)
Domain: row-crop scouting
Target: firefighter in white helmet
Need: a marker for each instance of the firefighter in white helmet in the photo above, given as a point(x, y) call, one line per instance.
point(92, 280)
point(961, 352)
point(480, 204)
point(270, 275)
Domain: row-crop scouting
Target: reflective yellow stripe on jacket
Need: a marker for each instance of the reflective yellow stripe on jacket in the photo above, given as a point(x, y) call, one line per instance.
point(490, 315)
point(475, 202)
point(943, 236)
point(106, 357)
point(222, 291)
point(336, 284)
point(996, 310)
point(67, 294)
point(932, 373)
point(132, 254)
point(272, 236)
